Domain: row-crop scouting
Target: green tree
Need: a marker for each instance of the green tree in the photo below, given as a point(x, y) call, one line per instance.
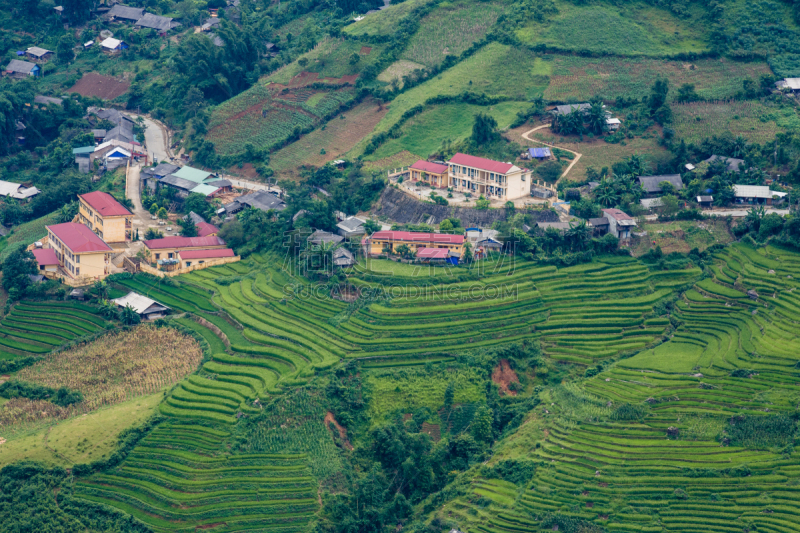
point(65, 52)
point(482, 203)
point(370, 226)
point(108, 310)
point(188, 227)
point(153, 208)
point(354, 59)
point(162, 214)
point(671, 204)
point(449, 395)
point(481, 427)
point(152, 233)
point(445, 225)
point(18, 266)
point(596, 117)
point(403, 251)
point(549, 171)
point(100, 289)
point(128, 316)
point(484, 130)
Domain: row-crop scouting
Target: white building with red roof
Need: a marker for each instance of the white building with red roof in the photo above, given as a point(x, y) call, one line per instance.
point(80, 252)
point(47, 261)
point(104, 215)
point(199, 257)
point(170, 247)
point(492, 179)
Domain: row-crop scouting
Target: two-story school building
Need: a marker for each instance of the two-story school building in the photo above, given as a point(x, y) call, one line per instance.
point(104, 215)
point(80, 253)
point(493, 179)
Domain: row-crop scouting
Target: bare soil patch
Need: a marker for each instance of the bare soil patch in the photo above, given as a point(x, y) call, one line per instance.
point(504, 375)
point(365, 50)
point(398, 69)
point(329, 419)
point(434, 430)
point(105, 87)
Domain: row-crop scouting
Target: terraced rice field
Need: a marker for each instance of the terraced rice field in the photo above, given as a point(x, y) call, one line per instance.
point(667, 471)
point(676, 363)
point(36, 328)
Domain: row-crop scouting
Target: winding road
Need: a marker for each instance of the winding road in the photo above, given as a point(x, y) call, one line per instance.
point(526, 136)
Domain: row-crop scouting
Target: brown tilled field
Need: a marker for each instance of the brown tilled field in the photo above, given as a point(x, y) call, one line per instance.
point(105, 87)
point(338, 137)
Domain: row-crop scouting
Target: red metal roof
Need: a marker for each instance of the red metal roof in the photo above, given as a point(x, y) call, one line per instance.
point(45, 256)
point(105, 204)
point(616, 214)
point(481, 163)
point(79, 238)
point(204, 229)
point(206, 254)
point(439, 238)
point(433, 253)
point(183, 242)
point(427, 166)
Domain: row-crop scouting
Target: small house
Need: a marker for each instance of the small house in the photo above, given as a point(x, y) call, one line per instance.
point(145, 307)
point(38, 54)
point(599, 226)
point(44, 101)
point(613, 124)
point(121, 13)
point(17, 191)
point(323, 238)
point(561, 227)
point(651, 203)
point(563, 110)
point(732, 164)
point(113, 46)
point(343, 258)
point(20, 69)
point(539, 153)
point(752, 194)
point(190, 258)
point(88, 44)
point(350, 227)
point(434, 173)
point(210, 23)
point(257, 200)
point(791, 85)
point(652, 184)
point(206, 229)
point(433, 255)
point(705, 201)
point(161, 24)
point(83, 158)
point(170, 247)
point(46, 260)
point(620, 224)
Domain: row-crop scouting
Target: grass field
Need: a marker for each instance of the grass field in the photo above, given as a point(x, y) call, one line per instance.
point(385, 21)
point(683, 236)
point(81, 439)
point(484, 72)
point(574, 78)
point(26, 233)
point(753, 120)
point(636, 29)
point(424, 133)
point(451, 30)
point(330, 58)
point(338, 136)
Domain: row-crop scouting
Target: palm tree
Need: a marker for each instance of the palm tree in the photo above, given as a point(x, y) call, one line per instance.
point(596, 117)
point(100, 289)
point(739, 146)
point(754, 216)
point(128, 316)
point(108, 310)
point(606, 194)
point(637, 165)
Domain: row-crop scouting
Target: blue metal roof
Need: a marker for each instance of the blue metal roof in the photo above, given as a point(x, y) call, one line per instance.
point(539, 152)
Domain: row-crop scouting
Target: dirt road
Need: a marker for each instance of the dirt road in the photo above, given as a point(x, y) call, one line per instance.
point(572, 164)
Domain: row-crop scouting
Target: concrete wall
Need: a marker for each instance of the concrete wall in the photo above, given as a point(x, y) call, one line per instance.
point(144, 267)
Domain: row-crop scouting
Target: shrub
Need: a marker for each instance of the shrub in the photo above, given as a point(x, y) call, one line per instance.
point(517, 471)
point(628, 411)
point(760, 431)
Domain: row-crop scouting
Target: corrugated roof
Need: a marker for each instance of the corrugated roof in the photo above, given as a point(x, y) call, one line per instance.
point(651, 184)
point(41, 99)
point(730, 162)
point(705, 199)
point(204, 229)
point(111, 43)
point(192, 174)
point(752, 191)
point(139, 303)
point(179, 183)
point(79, 238)
point(184, 242)
point(319, 237)
point(163, 169)
point(83, 150)
point(571, 108)
point(156, 22)
point(205, 190)
point(105, 204)
point(481, 163)
point(206, 254)
point(24, 67)
point(427, 166)
point(539, 152)
point(350, 224)
point(412, 236)
point(38, 51)
point(45, 256)
point(125, 12)
point(649, 203)
point(616, 214)
point(433, 253)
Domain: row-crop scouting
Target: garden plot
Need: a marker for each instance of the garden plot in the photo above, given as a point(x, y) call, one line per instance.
point(755, 121)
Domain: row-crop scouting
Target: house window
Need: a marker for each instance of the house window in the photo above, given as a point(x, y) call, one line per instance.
point(524, 176)
point(188, 263)
point(77, 271)
point(158, 256)
point(169, 255)
point(77, 259)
